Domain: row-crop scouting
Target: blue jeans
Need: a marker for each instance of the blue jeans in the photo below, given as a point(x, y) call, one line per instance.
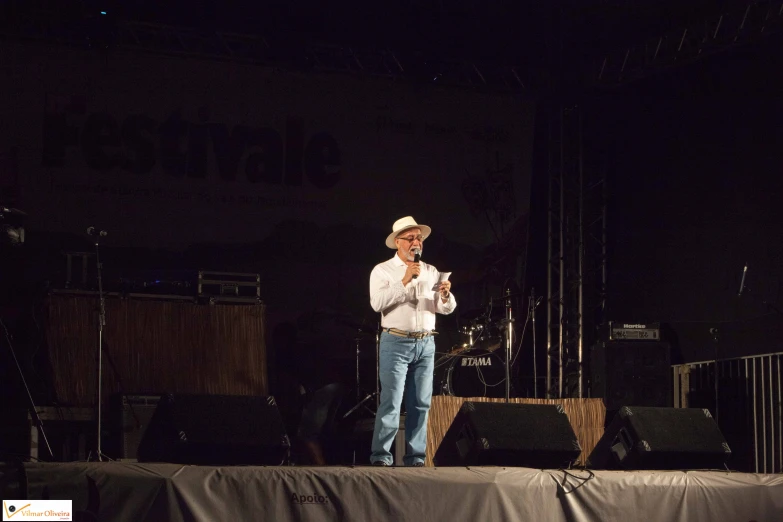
point(406, 365)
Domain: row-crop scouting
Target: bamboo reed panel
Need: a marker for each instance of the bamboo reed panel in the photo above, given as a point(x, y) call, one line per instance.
point(585, 415)
point(156, 347)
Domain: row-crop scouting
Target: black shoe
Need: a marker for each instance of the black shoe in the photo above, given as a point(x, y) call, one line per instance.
point(418, 464)
point(380, 463)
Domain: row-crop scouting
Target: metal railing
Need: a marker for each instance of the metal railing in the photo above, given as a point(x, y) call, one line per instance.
point(745, 395)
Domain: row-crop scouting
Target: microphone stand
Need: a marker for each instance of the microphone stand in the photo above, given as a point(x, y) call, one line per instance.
point(533, 305)
point(101, 323)
point(714, 334)
point(509, 320)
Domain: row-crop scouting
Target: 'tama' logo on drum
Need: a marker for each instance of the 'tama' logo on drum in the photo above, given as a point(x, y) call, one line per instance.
point(477, 361)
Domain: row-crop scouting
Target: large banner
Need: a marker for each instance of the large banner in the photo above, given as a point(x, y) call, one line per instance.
point(166, 151)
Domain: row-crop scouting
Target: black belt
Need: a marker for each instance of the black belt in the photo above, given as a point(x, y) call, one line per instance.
point(410, 335)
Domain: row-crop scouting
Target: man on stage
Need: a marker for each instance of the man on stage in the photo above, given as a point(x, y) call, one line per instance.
point(408, 293)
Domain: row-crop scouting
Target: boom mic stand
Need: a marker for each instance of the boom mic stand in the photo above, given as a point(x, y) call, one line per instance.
point(744, 289)
point(97, 234)
point(33, 410)
point(16, 235)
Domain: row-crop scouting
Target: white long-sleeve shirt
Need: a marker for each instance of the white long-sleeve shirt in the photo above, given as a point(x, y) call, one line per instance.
point(411, 307)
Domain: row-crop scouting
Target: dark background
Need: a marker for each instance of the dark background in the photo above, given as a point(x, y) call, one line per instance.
point(695, 196)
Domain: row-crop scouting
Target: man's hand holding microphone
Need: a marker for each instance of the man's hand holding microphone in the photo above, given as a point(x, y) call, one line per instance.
point(414, 270)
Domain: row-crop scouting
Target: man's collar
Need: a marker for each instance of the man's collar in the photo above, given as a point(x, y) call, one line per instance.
point(398, 261)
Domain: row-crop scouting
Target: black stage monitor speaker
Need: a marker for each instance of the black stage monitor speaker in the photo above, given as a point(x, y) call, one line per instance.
point(661, 438)
point(501, 434)
point(631, 372)
point(215, 430)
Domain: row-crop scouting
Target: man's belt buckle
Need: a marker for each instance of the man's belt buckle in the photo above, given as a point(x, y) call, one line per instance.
point(411, 335)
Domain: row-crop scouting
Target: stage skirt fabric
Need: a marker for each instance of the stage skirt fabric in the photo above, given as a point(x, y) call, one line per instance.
point(169, 492)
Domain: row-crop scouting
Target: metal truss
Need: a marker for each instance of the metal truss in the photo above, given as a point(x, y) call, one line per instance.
point(576, 252)
point(385, 62)
point(104, 34)
point(564, 326)
point(731, 28)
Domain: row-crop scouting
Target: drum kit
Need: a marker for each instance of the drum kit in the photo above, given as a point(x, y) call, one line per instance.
point(476, 367)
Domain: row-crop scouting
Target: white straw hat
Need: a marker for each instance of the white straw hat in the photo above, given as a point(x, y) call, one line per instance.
point(403, 224)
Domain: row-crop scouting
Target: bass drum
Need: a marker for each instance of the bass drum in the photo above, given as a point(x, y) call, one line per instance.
point(477, 373)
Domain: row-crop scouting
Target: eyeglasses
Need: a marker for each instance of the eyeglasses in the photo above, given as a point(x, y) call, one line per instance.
point(410, 239)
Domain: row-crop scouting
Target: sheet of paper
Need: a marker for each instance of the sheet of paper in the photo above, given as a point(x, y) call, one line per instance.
point(442, 276)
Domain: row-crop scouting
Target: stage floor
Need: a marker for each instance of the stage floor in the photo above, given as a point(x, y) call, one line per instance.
point(119, 491)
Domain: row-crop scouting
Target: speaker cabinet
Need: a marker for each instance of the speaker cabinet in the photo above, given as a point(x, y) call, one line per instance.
point(661, 438)
point(215, 430)
point(501, 434)
point(631, 373)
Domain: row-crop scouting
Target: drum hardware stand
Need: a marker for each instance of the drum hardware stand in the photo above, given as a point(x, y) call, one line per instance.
point(360, 402)
point(484, 329)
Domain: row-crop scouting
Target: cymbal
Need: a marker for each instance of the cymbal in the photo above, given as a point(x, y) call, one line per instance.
point(482, 313)
point(342, 323)
point(358, 325)
point(12, 211)
point(509, 296)
point(473, 312)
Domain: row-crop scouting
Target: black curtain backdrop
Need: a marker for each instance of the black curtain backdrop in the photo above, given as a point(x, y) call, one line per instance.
point(695, 194)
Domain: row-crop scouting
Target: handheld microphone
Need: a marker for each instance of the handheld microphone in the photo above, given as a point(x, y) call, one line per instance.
point(416, 258)
point(92, 231)
point(742, 282)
